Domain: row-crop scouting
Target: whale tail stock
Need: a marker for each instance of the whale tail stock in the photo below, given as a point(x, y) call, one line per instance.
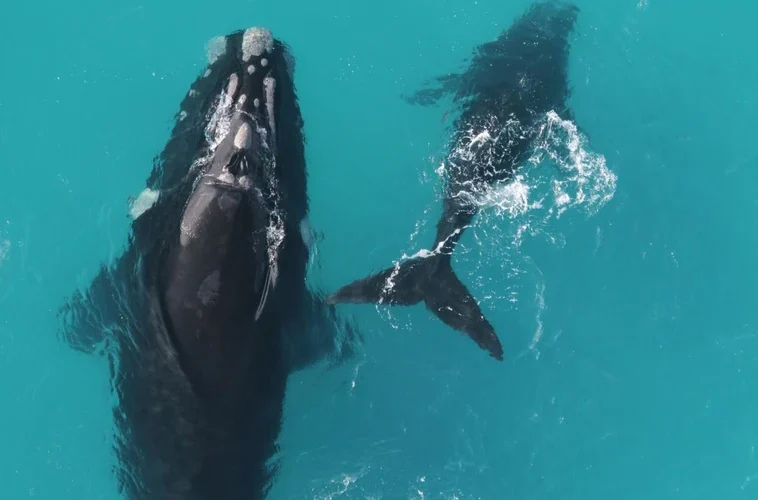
point(433, 280)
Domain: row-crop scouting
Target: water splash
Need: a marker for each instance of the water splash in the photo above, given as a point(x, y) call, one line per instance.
point(589, 183)
point(562, 179)
point(341, 485)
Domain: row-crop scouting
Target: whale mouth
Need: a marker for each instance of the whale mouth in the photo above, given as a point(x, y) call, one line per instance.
point(244, 185)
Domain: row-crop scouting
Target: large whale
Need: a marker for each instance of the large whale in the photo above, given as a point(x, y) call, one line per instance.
point(206, 313)
point(504, 95)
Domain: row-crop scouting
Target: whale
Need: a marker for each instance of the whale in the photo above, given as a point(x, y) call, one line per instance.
point(207, 311)
point(501, 98)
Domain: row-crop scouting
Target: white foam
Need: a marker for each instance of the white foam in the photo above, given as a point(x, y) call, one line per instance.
point(589, 183)
point(582, 179)
point(218, 125)
point(511, 198)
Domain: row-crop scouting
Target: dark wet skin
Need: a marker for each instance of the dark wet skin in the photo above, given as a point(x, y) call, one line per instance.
point(219, 275)
point(206, 313)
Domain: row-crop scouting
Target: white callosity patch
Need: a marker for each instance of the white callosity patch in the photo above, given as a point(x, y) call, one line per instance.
point(269, 85)
point(231, 89)
point(244, 137)
point(255, 42)
point(143, 202)
point(215, 48)
point(226, 177)
point(251, 69)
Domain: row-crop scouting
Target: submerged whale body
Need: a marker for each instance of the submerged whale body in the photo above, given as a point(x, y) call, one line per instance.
point(207, 312)
point(504, 95)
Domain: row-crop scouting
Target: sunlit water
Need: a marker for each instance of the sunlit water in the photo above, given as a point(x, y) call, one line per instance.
point(618, 270)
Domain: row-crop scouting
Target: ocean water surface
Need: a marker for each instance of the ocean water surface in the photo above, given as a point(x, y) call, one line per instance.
point(620, 276)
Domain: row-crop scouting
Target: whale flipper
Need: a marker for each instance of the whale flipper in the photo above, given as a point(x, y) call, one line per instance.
point(433, 280)
point(85, 318)
point(320, 335)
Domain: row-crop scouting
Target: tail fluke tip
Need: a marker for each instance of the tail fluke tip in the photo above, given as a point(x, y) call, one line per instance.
point(432, 280)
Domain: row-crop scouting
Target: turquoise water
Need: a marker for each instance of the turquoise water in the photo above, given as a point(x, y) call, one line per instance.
point(629, 325)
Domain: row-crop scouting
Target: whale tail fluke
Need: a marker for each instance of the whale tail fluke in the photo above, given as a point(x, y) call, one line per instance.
point(433, 280)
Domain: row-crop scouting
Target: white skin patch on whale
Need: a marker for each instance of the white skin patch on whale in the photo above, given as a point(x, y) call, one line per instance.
point(143, 202)
point(244, 137)
point(269, 85)
point(226, 177)
point(233, 82)
point(215, 48)
point(255, 42)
